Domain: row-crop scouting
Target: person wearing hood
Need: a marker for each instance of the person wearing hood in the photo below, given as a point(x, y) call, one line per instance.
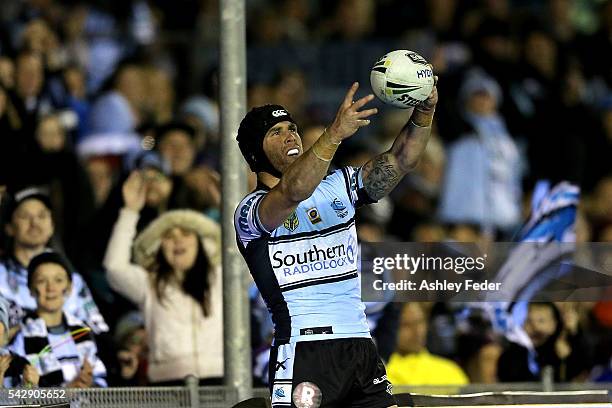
point(176, 282)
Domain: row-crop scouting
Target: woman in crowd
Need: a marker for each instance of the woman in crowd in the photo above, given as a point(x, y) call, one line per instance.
point(58, 345)
point(176, 282)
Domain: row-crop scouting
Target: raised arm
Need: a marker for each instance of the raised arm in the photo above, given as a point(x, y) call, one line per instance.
point(303, 176)
point(125, 277)
point(383, 172)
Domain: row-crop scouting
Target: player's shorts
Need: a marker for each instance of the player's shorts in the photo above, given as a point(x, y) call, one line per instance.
point(338, 373)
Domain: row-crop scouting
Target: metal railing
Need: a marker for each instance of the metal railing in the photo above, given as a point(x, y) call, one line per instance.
point(194, 396)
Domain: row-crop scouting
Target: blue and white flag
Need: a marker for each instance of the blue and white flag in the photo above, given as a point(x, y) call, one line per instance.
point(535, 261)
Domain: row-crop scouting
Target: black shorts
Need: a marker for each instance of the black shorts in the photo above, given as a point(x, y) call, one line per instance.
point(334, 373)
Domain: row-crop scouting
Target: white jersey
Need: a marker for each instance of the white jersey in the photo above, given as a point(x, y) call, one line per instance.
point(306, 269)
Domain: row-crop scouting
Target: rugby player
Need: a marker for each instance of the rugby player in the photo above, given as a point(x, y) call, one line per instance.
point(297, 234)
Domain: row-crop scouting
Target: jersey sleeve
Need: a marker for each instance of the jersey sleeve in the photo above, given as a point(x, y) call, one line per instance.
point(353, 179)
point(85, 306)
point(246, 219)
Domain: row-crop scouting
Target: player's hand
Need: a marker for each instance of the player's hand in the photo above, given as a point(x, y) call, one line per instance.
point(134, 191)
point(429, 105)
point(30, 375)
point(349, 118)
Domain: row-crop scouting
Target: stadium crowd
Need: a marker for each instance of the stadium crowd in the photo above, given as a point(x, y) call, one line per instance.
point(109, 122)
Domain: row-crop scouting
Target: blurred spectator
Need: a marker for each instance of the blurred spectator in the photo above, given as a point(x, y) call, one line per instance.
point(465, 232)
point(382, 317)
point(28, 98)
point(478, 351)
point(297, 14)
point(59, 345)
point(176, 282)
point(428, 231)
point(560, 15)
point(131, 340)
point(176, 145)
point(549, 86)
point(101, 172)
point(50, 134)
point(74, 80)
point(116, 114)
point(164, 192)
point(584, 231)
point(160, 94)
point(598, 145)
point(258, 94)
point(598, 65)
point(373, 221)
point(291, 91)
point(15, 370)
point(411, 363)
point(7, 72)
point(196, 187)
point(495, 49)
point(202, 114)
point(156, 174)
point(270, 28)
point(39, 38)
point(30, 226)
point(599, 205)
point(353, 20)
point(482, 182)
point(443, 16)
point(554, 345)
point(605, 234)
point(416, 197)
point(12, 143)
point(289, 22)
point(64, 178)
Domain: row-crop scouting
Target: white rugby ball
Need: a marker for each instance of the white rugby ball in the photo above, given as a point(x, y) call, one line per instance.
point(402, 78)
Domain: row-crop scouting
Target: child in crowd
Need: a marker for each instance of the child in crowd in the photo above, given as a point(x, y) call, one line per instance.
point(58, 345)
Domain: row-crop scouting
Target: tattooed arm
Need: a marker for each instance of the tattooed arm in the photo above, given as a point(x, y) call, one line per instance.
point(383, 172)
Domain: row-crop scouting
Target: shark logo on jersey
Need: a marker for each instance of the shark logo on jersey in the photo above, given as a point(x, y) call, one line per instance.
point(292, 222)
point(281, 394)
point(339, 208)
